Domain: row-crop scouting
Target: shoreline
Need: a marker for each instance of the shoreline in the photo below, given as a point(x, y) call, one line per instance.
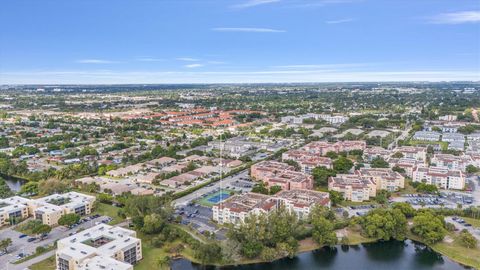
point(315, 247)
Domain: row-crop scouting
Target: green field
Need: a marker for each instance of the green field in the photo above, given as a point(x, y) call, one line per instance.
point(109, 210)
point(48, 264)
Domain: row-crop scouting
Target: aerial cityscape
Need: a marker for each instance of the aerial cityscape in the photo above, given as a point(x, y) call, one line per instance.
point(239, 135)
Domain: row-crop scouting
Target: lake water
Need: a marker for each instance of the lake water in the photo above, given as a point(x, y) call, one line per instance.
point(15, 184)
point(393, 255)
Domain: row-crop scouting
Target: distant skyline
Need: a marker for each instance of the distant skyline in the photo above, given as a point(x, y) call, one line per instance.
point(238, 41)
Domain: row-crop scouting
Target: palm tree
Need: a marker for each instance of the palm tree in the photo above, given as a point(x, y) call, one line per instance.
point(164, 262)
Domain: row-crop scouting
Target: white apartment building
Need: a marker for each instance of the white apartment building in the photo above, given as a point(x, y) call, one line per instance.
point(440, 177)
point(418, 153)
point(102, 247)
point(451, 161)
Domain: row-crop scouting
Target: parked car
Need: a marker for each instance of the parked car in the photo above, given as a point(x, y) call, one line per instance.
point(31, 239)
point(22, 236)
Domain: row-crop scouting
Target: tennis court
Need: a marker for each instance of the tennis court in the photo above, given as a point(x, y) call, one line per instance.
point(215, 198)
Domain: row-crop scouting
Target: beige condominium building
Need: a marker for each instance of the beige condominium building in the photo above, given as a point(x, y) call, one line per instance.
point(353, 187)
point(102, 247)
point(47, 209)
point(238, 207)
point(13, 209)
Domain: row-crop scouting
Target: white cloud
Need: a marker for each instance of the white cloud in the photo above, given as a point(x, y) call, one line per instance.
point(253, 3)
point(340, 21)
point(247, 29)
point(194, 65)
point(188, 59)
point(258, 76)
point(472, 16)
point(95, 61)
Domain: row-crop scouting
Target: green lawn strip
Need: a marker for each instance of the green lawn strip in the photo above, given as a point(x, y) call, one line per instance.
point(24, 259)
point(108, 210)
point(47, 264)
point(475, 222)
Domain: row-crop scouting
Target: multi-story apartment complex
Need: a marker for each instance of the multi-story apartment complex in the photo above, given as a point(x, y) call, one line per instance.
point(98, 248)
point(47, 209)
point(353, 187)
point(307, 160)
point(274, 173)
point(375, 152)
point(418, 153)
point(440, 177)
point(385, 179)
point(408, 164)
point(238, 207)
point(451, 161)
point(322, 148)
point(13, 209)
point(431, 136)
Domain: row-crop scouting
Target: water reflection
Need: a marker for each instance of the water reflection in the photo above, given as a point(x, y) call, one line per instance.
point(381, 255)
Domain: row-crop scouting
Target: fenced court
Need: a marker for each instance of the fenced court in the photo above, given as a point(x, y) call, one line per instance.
point(215, 198)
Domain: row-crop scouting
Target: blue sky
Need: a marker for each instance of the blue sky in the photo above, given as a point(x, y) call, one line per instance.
point(208, 41)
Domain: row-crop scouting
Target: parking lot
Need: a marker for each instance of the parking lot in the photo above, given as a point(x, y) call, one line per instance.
point(21, 247)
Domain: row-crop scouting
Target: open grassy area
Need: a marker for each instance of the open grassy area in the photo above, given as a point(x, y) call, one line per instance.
point(151, 254)
point(475, 222)
point(28, 226)
point(444, 145)
point(48, 264)
point(109, 210)
point(454, 250)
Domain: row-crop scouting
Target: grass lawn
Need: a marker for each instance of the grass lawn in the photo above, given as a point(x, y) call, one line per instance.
point(151, 254)
point(48, 264)
point(28, 226)
point(109, 210)
point(475, 222)
point(444, 145)
point(350, 203)
point(455, 251)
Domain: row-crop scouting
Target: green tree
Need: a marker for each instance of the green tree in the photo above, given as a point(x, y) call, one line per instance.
point(42, 230)
point(472, 169)
point(29, 188)
point(323, 232)
point(335, 197)
point(379, 162)
point(208, 253)
point(385, 224)
point(321, 175)
point(406, 208)
point(467, 239)
point(68, 219)
point(429, 226)
point(275, 189)
point(342, 165)
point(5, 243)
point(153, 223)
